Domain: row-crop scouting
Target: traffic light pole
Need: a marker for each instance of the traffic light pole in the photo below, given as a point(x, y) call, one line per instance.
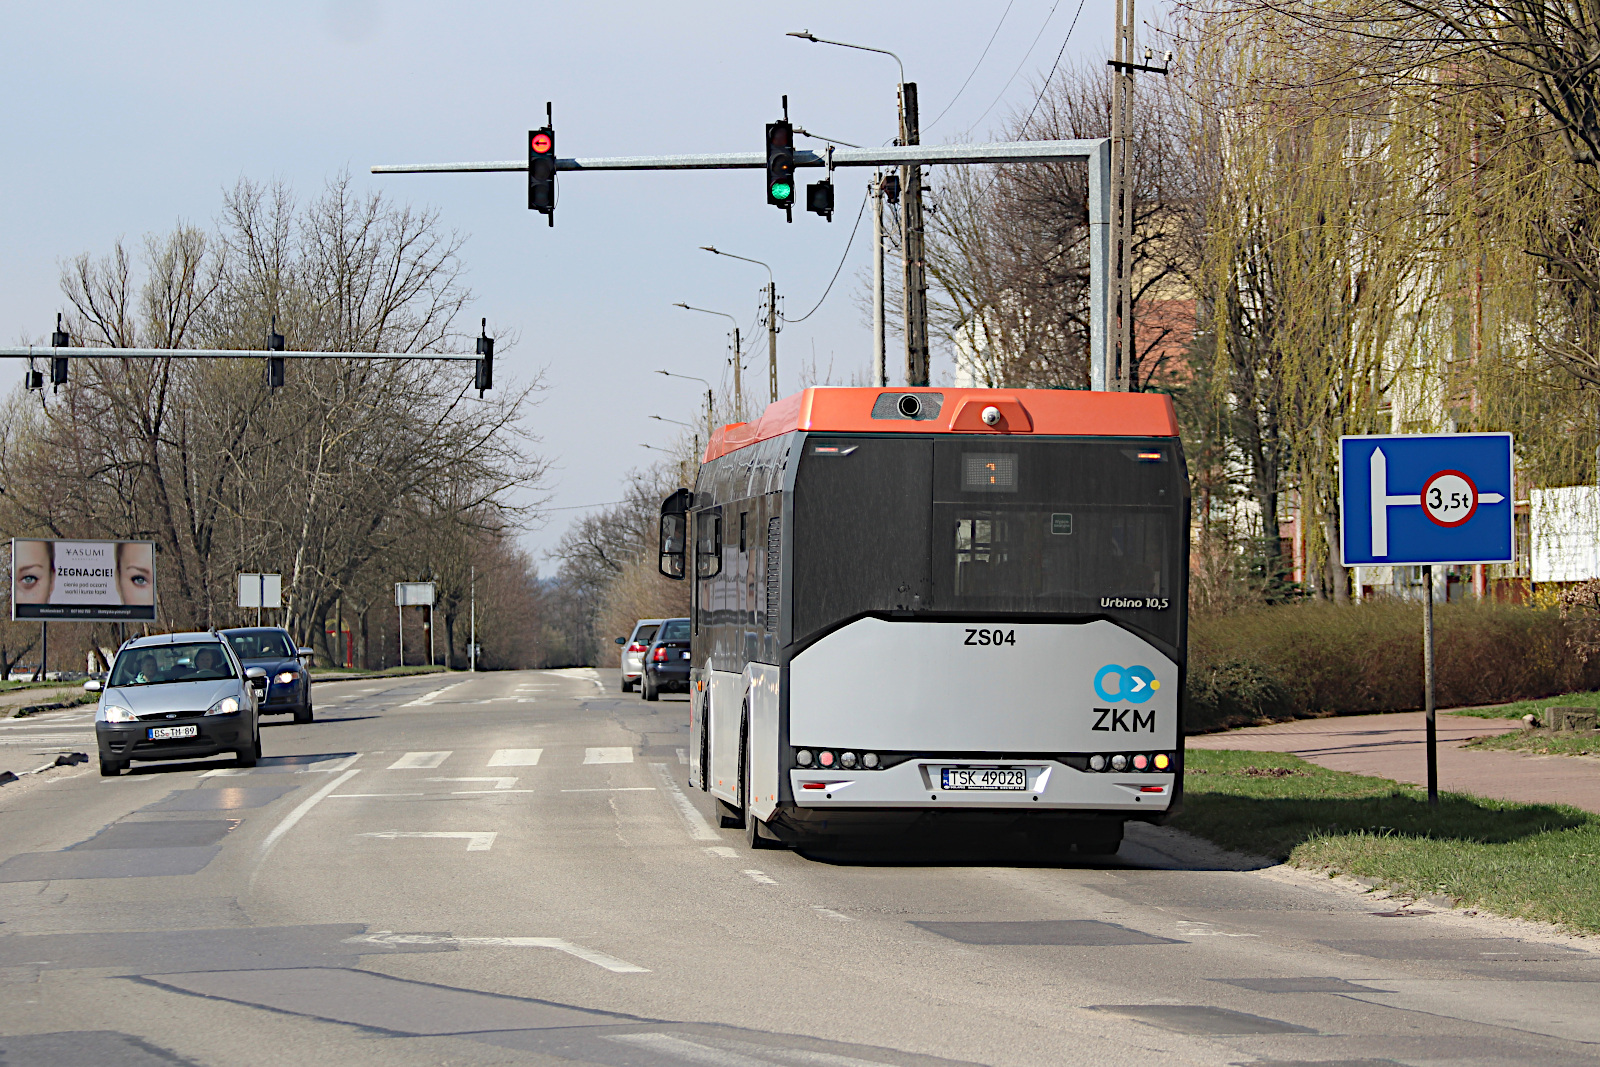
point(1096, 152)
point(880, 371)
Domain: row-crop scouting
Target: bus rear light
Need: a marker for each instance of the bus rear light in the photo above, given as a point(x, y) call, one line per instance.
point(1097, 763)
point(870, 760)
point(1140, 762)
point(1119, 762)
point(847, 760)
point(813, 785)
point(1152, 789)
point(803, 757)
point(826, 759)
point(1162, 761)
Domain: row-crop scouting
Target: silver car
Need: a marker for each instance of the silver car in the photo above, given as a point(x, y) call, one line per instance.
point(177, 696)
point(633, 650)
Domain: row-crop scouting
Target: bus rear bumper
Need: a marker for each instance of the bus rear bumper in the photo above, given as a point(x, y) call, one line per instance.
point(1051, 786)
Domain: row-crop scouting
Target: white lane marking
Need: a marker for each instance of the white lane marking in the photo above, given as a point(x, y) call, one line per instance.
point(300, 812)
point(348, 796)
point(588, 955)
point(428, 698)
point(831, 914)
point(332, 768)
point(515, 757)
point(722, 850)
point(608, 755)
point(699, 829)
point(1199, 929)
point(499, 783)
point(758, 876)
point(616, 789)
point(488, 792)
point(683, 756)
point(694, 1052)
point(477, 840)
point(419, 761)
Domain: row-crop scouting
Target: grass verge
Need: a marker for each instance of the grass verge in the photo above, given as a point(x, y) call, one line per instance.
point(1543, 742)
point(1531, 861)
point(1531, 707)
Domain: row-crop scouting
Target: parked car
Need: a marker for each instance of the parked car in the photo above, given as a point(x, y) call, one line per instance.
point(666, 661)
point(633, 650)
point(177, 696)
point(274, 651)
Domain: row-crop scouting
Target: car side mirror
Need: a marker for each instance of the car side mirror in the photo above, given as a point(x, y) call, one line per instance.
point(622, 640)
point(304, 652)
point(256, 676)
point(674, 535)
point(93, 685)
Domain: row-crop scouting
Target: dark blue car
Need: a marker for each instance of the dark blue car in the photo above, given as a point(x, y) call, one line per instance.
point(288, 681)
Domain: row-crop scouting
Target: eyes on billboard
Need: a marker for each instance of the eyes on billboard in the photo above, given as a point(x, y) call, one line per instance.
point(83, 581)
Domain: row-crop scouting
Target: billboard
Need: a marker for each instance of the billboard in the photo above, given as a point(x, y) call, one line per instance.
point(83, 581)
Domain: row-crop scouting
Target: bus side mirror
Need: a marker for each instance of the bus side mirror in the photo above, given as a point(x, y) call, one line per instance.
point(675, 533)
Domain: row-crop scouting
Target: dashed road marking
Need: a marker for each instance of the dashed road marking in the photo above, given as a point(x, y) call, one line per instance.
point(419, 761)
point(699, 829)
point(722, 850)
point(428, 698)
point(616, 789)
point(608, 755)
point(499, 783)
point(588, 955)
point(516, 757)
point(829, 913)
point(477, 841)
point(683, 757)
point(760, 877)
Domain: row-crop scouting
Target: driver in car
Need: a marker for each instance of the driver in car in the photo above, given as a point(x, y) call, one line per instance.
point(206, 661)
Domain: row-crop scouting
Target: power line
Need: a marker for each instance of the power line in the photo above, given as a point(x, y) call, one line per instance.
point(840, 267)
point(1014, 73)
point(975, 67)
point(1053, 66)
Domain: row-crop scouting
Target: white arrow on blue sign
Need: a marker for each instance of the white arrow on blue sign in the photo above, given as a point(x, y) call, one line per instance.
point(1417, 499)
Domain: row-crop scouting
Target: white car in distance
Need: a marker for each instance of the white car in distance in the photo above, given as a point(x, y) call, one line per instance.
point(633, 650)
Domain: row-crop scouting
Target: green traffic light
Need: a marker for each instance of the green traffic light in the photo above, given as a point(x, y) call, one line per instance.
point(782, 190)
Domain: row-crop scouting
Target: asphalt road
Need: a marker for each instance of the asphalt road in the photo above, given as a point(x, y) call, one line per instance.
point(510, 868)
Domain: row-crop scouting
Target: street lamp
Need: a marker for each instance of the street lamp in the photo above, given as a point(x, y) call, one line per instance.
point(738, 394)
point(689, 377)
point(914, 270)
point(674, 422)
point(772, 320)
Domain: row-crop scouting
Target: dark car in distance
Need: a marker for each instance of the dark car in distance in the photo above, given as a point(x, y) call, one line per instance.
point(666, 661)
point(288, 682)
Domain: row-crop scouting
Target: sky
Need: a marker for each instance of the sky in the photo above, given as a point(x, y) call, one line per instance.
point(120, 119)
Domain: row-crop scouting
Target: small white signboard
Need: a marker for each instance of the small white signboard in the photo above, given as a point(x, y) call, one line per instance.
point(413, 594)
point(261, 590)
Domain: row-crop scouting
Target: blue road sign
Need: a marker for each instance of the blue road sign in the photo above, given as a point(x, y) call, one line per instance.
point(1425, 498)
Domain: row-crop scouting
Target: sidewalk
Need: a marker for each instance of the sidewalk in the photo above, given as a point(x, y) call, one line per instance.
point(1393, 745)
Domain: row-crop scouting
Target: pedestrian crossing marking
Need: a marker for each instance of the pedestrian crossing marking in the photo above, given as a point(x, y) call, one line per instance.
point(608, 755)
point(516, 757)
point(419, 761)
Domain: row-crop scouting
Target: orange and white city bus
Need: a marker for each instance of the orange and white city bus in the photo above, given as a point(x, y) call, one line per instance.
point(914, 606)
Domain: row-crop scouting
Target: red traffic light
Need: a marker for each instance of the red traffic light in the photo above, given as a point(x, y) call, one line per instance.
point(541, 143)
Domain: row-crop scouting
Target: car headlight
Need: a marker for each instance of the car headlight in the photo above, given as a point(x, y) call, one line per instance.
point(113, 713)
point(225, 706)
point(286, 677)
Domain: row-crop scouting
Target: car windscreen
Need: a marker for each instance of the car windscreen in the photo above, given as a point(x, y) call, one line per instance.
point(195, 661)
point(645, 634)
point(675, 630)
point(263, 644)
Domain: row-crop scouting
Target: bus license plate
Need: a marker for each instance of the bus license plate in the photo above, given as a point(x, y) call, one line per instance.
point(167, 733)
point(983, 778)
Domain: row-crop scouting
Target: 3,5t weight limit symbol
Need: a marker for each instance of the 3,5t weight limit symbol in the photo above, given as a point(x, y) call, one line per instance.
point(1449, 498)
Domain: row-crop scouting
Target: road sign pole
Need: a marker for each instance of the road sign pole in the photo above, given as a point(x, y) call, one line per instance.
point(1427, 686)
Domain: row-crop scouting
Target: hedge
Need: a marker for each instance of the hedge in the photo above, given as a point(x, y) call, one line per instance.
point(1310, 659)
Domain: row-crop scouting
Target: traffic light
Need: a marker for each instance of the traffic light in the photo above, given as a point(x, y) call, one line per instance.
point(542, 169)
point(819, 199)
point(274, 363)
point(780, 164)
point(483, 378)
point(58, 364)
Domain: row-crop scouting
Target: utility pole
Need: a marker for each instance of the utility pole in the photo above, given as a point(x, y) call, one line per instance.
point(880, 372)
point(472, 647)
point(738, 394)
point(911, 243)
point(772, 341)
point(1122, 197)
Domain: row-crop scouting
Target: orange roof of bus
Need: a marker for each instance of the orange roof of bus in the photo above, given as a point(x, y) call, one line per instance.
point(1063, 412)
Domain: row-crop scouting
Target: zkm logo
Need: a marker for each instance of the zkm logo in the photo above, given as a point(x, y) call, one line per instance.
point(1133, 684)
